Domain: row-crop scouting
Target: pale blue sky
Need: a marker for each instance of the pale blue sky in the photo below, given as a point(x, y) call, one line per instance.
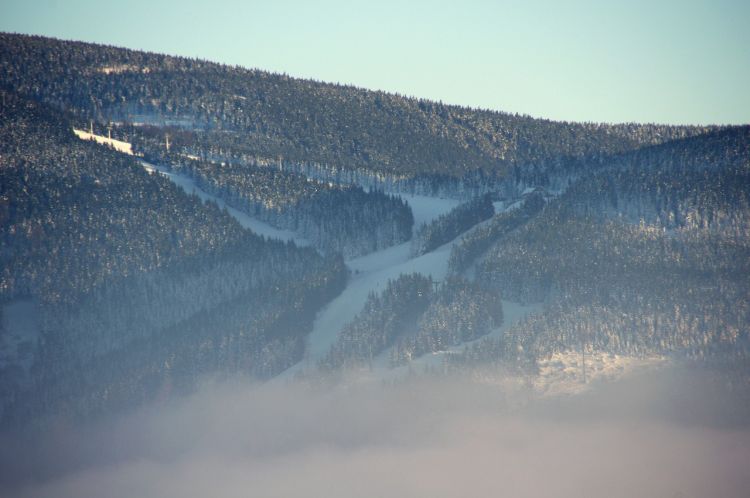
point(685, 61)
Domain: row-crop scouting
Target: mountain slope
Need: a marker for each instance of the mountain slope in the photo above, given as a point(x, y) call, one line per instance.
point(271, 116)
point(134, 284)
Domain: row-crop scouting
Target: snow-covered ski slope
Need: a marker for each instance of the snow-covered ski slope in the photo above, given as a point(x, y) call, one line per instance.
point(559, 374)
point(246, 221)
point(370, 273)
point(189, 186)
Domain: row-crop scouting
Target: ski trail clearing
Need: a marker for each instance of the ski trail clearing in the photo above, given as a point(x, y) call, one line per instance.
point(246, 221)
point(371, 273)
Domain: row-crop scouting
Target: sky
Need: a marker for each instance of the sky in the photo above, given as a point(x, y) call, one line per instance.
point(669, 61)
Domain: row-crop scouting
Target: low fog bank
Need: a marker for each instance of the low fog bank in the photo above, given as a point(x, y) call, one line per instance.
point(669, 433)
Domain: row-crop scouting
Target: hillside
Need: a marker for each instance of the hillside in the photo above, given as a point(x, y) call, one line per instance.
point(272, 116)
point(128, 281)
point(118, 288)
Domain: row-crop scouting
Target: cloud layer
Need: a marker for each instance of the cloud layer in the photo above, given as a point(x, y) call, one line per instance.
point(648, 437)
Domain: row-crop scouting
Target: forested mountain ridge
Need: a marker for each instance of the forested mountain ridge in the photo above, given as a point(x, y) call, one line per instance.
point(649, 255)
point(702, 180)
point(47, 173)
point(133, 283)
point(627, 239)
point(302, 121)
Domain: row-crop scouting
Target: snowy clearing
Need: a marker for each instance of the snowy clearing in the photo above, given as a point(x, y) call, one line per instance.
point(190, 187)
point(426, 209)
point(371, 273)
point(118, 145)
point(246, 221)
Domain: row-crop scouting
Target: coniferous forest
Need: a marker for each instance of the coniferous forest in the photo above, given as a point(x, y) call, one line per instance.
point(422, 229)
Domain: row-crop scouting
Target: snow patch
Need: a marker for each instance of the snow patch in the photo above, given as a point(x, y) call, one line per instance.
point(123, 68)
point(427, 209)
point(118, 145)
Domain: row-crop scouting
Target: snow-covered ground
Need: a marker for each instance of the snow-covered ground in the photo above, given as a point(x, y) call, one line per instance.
point(190, 187)
point(426, 209)
point(246, 221)
point(118, 145)
point(371, 273)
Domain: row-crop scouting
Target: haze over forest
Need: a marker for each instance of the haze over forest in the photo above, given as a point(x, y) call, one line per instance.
point(228, 281)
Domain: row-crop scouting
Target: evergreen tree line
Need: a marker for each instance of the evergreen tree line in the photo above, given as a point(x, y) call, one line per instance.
point(256, 334)
point(460, 311)
point(622, 288)
point(647, 256)
point(414, 316)
point(333, 218)
point(703, 183)
point(125, 269)
point(478, 241)
point(302, 120)
point(450, 225)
